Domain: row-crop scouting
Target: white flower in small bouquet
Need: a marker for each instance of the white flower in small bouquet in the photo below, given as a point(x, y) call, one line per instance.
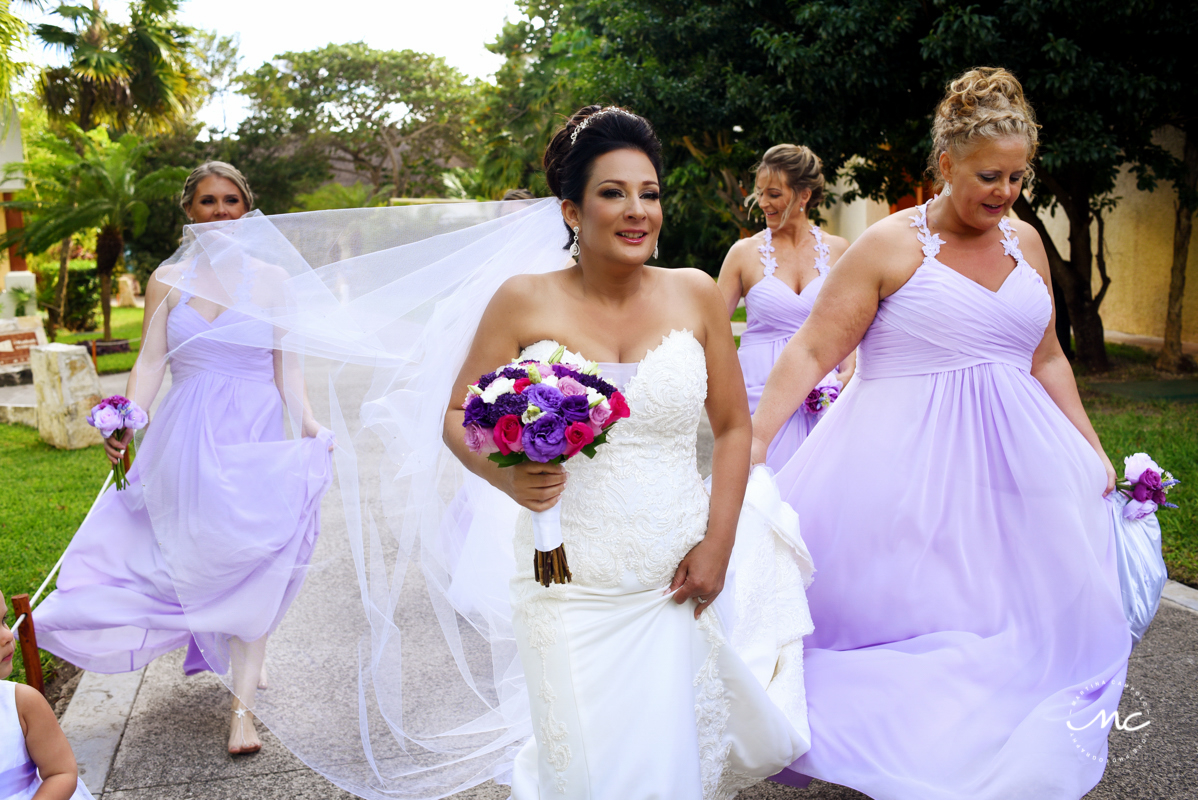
point(543, 411)
point(1147, 486)
point(113, 414)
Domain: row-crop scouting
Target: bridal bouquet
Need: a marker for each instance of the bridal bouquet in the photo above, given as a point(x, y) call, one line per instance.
point(114, 414)
point(1148, 486)
point(544, 411)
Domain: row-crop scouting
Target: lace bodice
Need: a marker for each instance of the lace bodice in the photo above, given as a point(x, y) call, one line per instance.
point(639, 506)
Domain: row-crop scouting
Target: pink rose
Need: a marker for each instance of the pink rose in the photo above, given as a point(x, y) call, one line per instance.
point(570, 387)
point(578, 436)
point(508, 431)
point(619, 406)
point(600, 414)
point(106, 419)
point(480, 440)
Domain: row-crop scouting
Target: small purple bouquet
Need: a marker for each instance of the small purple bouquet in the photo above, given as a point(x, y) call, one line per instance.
point(544, 411)
point(1147, 486)
point(114, 414)
point(823, 395)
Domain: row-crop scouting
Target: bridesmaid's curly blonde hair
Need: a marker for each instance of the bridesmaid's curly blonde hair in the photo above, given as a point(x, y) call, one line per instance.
point(983, 103)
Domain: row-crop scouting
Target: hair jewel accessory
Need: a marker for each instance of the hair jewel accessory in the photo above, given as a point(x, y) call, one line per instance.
point(596, 115)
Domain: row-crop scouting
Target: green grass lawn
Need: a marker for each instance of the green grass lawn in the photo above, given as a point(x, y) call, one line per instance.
point(739, 315)
point(45, 498)
point(126, 324)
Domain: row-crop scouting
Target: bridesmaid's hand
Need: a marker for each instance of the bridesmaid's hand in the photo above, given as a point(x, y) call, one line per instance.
point(758, 453)
point(533, 485)
point(311, 430)
point(701, 575)
point(1110, 473)
point(115, 445)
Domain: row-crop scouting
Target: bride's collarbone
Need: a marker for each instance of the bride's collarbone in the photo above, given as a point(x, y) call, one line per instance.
point(602, 348)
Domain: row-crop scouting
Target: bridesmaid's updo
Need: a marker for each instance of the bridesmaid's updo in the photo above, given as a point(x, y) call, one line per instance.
point(591, 132)
point(798, 167)
point(984, 103)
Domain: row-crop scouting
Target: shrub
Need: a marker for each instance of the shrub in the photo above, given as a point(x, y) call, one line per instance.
point(83, 293)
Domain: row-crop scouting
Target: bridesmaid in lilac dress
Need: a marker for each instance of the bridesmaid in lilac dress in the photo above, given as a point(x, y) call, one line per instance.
point(209, 544)
point(968, 623)
point(779, 272)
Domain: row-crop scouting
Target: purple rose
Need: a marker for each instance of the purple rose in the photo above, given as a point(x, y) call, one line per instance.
point(106, 419)
point(481, 440)
point(568, 386)
point(1138, 509)
point(544, 438)
point(600, 414)
point(1151, 478)
point(544, 397)
point(1141, 493)
point(1160, 498)
point(575, 408)
point(135, 417)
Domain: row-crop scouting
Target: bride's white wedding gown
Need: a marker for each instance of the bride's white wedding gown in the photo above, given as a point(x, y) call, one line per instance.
point(632, 698)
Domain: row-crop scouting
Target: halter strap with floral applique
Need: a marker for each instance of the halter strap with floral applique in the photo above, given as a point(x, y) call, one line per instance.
point(770, 263)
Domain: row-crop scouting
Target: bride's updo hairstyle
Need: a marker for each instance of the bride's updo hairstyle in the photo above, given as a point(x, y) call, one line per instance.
point(591, 132)
point(984, 103)
point(798, 167)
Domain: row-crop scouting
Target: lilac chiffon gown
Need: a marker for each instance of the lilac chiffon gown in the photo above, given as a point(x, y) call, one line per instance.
point(213, 535)
point(775, 312)
point(967, 611)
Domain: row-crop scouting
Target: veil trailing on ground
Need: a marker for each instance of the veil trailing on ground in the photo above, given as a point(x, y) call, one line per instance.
point(394, 672)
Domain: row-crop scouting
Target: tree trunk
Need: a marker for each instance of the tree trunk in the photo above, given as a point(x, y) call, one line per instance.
point(109, 244)
point(56, 315)
point(1183, 222)
point(1075, 273)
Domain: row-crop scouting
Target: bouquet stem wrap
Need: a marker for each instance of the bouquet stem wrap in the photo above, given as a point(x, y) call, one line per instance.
point(549, 555)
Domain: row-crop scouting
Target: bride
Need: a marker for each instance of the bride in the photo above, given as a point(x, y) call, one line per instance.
point(635, 692)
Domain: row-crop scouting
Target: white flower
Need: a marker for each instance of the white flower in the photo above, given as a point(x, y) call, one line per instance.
point(498, 387)
point(594, 398)
point(550, 380)
point(1135, 464)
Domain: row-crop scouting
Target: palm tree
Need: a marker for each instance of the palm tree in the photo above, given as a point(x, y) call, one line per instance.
point(134, 77)
point(131, 77)
point(104, 191)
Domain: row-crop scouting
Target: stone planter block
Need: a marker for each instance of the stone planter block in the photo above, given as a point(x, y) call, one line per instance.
point(126, 289)
point(67, 387)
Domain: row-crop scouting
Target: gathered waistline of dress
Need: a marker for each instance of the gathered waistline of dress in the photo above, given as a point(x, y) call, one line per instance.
point(864, 372)
point(180, 373)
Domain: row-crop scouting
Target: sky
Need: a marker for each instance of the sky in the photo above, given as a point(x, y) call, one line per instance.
point(457, 30)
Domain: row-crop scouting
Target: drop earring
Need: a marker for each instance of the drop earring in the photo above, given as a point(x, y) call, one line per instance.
point(574, 251)
point(948, 189)
point(655, 252)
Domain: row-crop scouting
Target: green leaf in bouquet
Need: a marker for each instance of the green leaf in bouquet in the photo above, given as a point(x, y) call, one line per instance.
point(509, 460)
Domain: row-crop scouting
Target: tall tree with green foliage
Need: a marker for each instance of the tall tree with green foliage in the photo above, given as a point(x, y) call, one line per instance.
point(103, 187)
point(858, 80)
point(396, 117)
point(135, 77)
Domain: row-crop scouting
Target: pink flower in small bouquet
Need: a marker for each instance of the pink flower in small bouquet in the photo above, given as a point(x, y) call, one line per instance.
point(1147, 486)
point(544, 411)
point(114, 414)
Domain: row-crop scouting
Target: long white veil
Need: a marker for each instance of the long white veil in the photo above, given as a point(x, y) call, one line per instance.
point(394, 673)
